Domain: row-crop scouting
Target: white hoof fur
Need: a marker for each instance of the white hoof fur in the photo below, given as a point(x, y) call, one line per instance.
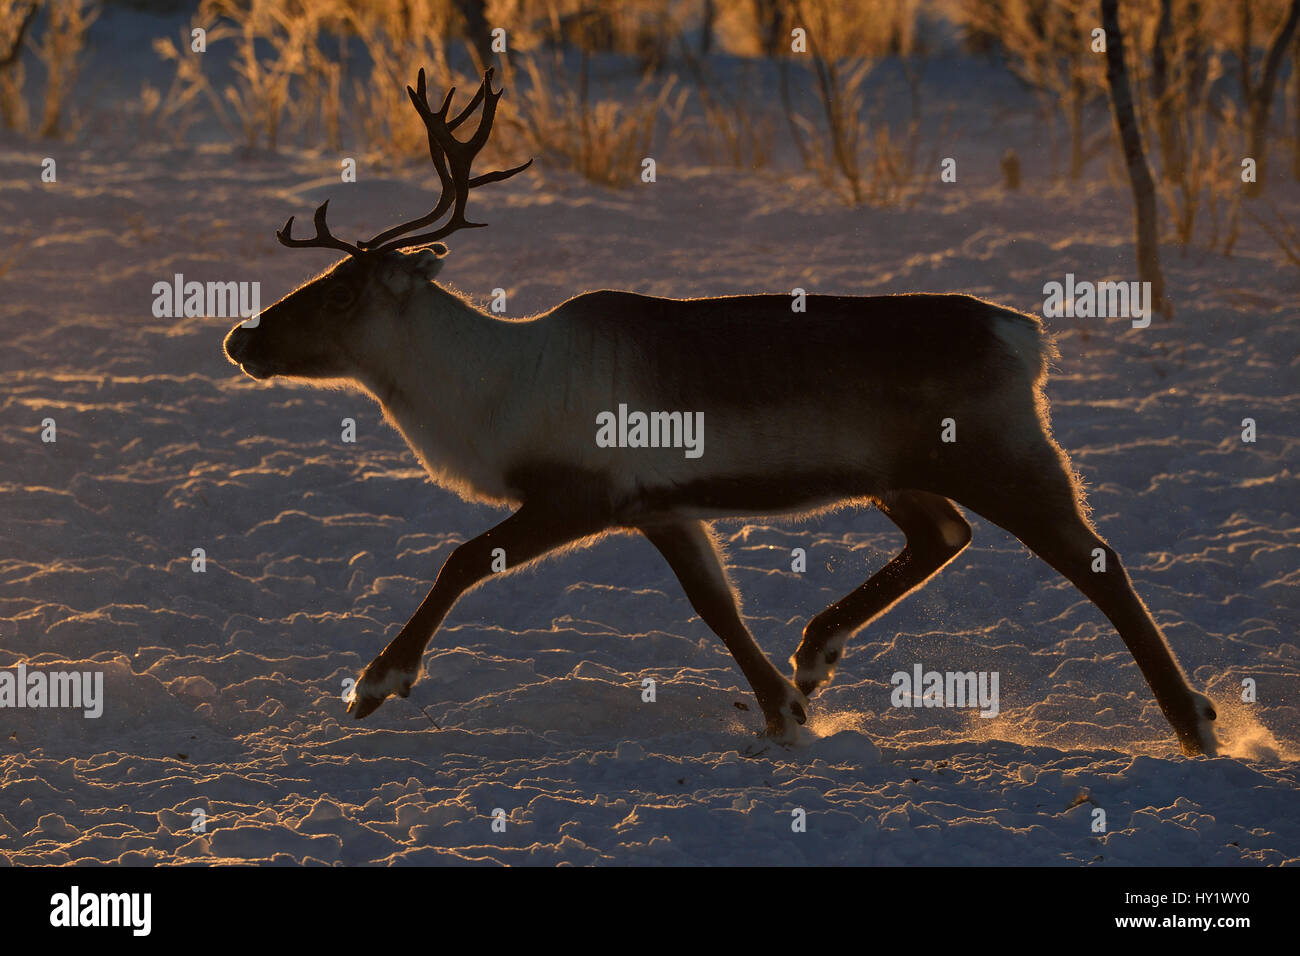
point(819, 671)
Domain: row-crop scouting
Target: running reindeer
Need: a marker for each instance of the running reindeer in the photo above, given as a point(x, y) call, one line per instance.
point(841, 405)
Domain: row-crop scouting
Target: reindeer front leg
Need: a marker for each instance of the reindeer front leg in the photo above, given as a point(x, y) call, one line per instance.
point(529, 533)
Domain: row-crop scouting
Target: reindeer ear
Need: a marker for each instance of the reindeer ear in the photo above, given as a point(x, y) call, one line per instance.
point(405, 270)
point(427, 261)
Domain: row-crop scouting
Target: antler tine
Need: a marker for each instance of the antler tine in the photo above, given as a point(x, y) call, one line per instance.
point(420, 100)
point(475, 100)
point(497, 175)
point(323, 238)
point(420, 97)
point(489, 114)
point(452, 159)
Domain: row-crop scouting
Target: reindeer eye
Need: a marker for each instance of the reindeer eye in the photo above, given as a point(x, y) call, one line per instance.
point(340, 296)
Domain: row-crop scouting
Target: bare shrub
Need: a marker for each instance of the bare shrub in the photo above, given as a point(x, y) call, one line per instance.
point(65, 37)
point(859, 155)
point(1147, 245)
point(285, 80)
point(1206, 182)
point(260, 94)
point(1046, 45)
point(1196, 130)
point(730, 133)
point(16, 18)
point(59, 52)
point(602, 138)
point(176, 110)
point(1283, 232)
point(1257, 88)
point(1295, 107)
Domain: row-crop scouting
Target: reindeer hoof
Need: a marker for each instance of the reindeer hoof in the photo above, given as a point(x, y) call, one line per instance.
point(784, 719)
point(1199, 739)
point(377, 683)
point(814, 668)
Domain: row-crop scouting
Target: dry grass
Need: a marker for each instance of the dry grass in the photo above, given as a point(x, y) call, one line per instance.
point(730, 132)
point(62, 40)
point(292, 74)
point(65, 36)
point(604, 139)
point(291, 65)
point(329, 74)
point(282, 75)
point(178, 109)
point(400, 37)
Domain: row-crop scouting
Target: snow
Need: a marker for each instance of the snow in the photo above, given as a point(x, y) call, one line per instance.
point(223, 689)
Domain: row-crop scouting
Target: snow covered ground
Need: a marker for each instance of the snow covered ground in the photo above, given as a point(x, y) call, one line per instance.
point(222, 689)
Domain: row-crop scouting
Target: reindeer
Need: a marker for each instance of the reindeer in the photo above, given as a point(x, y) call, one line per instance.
point(840, 406)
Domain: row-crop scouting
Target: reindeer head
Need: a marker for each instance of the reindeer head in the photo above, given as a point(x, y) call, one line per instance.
point(320, 329)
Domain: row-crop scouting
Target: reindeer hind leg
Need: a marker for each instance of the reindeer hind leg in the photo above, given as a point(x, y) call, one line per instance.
point(936, 533)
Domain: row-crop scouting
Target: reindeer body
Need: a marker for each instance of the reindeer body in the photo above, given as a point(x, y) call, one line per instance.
point(846, 403)
point(799, 409)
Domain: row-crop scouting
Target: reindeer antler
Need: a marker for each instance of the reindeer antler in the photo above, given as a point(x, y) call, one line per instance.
point(452, 159)
point(323, 239)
